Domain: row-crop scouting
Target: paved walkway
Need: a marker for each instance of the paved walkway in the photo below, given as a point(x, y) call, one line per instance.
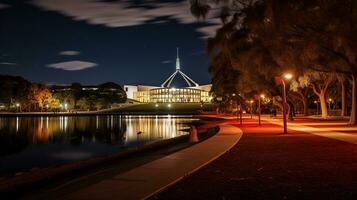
point(148, 179)
point(268, 165)
point(324, 132)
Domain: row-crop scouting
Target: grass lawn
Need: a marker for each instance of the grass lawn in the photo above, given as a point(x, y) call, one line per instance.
point(166, 108)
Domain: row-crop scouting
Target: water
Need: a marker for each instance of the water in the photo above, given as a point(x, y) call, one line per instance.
point(37, 142)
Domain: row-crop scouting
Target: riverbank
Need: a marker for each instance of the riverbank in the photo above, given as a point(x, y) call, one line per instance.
point(127, 109)
point(27, 182)
point(148, 179)
point(269, 165)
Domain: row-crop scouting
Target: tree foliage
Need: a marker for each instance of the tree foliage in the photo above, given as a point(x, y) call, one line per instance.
point(262, 39)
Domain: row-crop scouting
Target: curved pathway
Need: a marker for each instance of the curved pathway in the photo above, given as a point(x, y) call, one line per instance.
point(146, 180)
point(267, 164)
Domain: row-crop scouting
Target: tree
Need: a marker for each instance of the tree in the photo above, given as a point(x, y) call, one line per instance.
point(83, 103)
point(299, 87)
point(54, 103)
point(66, 96)
point(42, 96)
point(320, 83)
point(297, 35)
point(13, 89)
point(326, 32)
point(342, 79)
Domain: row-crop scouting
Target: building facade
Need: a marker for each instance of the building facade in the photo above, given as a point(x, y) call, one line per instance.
point(193, 93)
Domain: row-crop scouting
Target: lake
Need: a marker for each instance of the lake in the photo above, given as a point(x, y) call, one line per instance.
point(37, 142)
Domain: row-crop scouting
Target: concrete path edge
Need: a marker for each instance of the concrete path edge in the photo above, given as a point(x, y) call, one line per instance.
point(239, 132)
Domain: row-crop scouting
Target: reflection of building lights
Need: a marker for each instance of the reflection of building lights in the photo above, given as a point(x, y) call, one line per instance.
point(17, 124)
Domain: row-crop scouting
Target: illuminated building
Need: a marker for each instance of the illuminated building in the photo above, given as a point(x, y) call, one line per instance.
point(193, 93)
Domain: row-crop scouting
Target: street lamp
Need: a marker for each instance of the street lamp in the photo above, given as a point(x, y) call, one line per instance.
point(259, 97)
point(280, 80)
point(250, 107)
point(317, 107)
point(238, 110)
point(17, 107)
point(329, 103)
point(47, 107)
point(65, 106)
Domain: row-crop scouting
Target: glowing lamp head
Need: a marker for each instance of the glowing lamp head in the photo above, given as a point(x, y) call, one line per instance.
point(156, 105)
point(169, 105)
point(288, 76)
point(17, 105)
point(262, 96)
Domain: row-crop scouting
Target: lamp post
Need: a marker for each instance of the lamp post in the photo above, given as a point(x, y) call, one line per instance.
point(317, 107)
point(281, 80)
point(17, 107)
point(251, 109)
point(329, 103)
point(259, 97)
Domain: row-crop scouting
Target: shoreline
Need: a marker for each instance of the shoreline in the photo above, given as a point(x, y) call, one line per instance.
point(31, 180)
point(94, 113)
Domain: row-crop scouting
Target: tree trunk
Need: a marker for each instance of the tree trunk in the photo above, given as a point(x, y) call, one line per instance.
point(353, 116)
point(324, 111)
point(343, 98)
point(291, 110)
point(306, 106)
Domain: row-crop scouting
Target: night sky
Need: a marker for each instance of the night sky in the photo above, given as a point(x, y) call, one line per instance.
point(91, 42)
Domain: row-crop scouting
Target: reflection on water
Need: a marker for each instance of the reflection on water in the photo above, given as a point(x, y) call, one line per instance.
point(28, 142)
